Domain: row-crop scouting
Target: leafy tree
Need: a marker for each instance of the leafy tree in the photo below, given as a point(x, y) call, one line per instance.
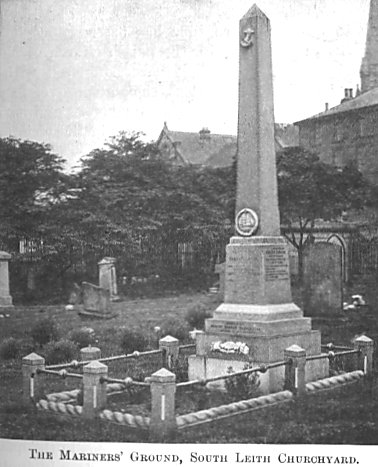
point(125, 187)
point(310, 190)
point(31, 180)
point(129, 183)
point(123, 194)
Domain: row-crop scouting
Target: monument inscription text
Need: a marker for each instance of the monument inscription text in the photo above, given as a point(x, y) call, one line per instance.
point(233, 327)
point(276, 264)
point(243, 274)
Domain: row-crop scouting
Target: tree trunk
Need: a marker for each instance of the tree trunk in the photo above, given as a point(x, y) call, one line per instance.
point(300, 265)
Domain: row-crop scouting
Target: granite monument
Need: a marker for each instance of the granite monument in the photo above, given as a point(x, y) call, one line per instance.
point(258, 318)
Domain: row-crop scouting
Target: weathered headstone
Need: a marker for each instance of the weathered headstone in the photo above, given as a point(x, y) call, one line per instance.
point(322, 279)
point(258, 319)
point(96, 301)
point(5, 297)
point(108, 277)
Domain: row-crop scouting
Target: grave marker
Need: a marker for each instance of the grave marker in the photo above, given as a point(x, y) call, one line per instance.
point(96, 301)
point(322, 278)
point(108, 277)
point(5, 297)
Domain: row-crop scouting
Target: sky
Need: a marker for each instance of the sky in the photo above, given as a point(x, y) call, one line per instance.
point(75, 72)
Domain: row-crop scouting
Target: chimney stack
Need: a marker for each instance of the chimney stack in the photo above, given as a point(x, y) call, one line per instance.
point(348, 95)
point(204, 134)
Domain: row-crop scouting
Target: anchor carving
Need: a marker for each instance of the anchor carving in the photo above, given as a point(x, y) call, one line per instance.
point(247, 40)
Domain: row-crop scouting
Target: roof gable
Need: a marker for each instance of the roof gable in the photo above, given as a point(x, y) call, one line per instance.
point(198, 150)
point(216, 150)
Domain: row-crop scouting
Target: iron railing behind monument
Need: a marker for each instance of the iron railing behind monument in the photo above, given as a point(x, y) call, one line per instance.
point(141, 255)
point(364, 255)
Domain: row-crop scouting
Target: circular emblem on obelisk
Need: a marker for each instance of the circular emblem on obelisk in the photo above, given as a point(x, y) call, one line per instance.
point(246, 222)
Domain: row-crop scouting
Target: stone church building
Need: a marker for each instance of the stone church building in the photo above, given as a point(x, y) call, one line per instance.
point(348, 133)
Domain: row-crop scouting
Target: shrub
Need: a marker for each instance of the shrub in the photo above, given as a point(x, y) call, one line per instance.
point(196, 316)
point(44, 331)
point(10, 348)
point(132, 339)
point(83, 337)
point(61, 351)
point(242, 387)
point(176, 328)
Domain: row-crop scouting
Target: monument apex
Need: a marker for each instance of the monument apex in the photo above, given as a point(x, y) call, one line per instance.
point(254, 11)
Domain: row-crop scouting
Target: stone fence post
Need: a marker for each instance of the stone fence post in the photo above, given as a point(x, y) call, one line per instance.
point(295, 372)
point(170, 347)
point(94, 390)
point(163, 417)
point(365, 358)
point(90, 353)
point(200, 343)
point(32, 383)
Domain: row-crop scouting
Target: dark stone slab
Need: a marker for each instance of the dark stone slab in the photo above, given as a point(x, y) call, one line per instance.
point(96, 301)
point(322, 277)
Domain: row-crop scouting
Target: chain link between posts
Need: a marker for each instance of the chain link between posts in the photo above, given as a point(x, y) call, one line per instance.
point(60, 407)
point(125, 419)
point(339, 380)
point(236, 408)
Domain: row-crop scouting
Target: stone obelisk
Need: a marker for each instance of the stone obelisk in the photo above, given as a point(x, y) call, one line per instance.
point(257, 266)
point(256, 159)
point(258, 319)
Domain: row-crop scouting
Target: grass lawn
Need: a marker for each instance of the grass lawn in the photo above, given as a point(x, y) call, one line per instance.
point(346, 415)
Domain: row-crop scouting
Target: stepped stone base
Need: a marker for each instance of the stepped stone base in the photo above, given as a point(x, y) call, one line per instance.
point(258, 316)
point(262, 350)
point(6, 301)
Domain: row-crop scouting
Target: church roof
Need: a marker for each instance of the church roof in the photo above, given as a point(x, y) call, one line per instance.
point(197, 150)
point(217, 150)
point(366, 99)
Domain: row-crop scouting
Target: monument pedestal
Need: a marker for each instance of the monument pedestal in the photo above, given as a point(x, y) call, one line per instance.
point(258, 320)
point(262, 350)
point(6, 301)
